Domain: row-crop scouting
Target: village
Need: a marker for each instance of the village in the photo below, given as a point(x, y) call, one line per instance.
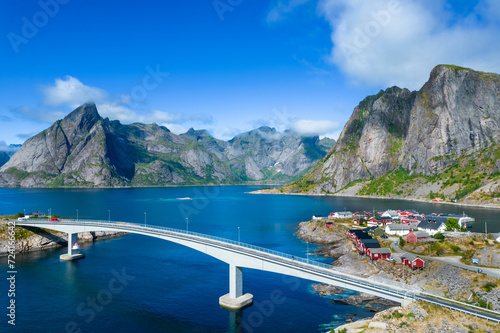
point(409, 225)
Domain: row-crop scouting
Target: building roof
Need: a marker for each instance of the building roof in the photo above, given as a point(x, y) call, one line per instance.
point(397, 226)
point(381, 250)
point(421, 234)
point(36, 213)
point(344, 213)
point(371, 228)
point(361, 234)
point(410, 256)
point(433, 224)
point(370, 242)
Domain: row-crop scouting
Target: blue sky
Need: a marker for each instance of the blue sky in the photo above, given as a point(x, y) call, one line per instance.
point(228, 65)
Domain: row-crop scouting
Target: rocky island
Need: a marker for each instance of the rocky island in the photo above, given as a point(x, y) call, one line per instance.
point(34, 239)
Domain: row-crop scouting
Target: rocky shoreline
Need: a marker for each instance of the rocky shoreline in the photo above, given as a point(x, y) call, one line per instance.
point(464, 204)
point(35, 239)
point(437, 278)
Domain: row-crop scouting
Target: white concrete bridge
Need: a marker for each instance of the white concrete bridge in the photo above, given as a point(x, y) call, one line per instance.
point(237, 255)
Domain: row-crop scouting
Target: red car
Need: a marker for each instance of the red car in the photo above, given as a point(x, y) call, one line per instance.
point(54, 220)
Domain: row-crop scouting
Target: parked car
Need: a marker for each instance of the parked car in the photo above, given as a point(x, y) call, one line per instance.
point(54, 219)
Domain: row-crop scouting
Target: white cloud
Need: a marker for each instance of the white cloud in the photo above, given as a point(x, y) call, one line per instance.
point(398, 42)
point(314, 127)
point(282, 8)
point(69, 91)
point(7, 148)
point(175, 128)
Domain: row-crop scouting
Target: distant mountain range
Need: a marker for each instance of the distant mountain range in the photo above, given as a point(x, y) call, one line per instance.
point(6, 153)
point(84, 149)
point(441, 141)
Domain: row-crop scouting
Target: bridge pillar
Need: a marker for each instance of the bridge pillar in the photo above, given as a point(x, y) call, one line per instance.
point(72, 254)
point(235, 299)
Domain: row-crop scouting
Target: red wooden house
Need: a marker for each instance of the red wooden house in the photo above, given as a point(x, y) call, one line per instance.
point(365, 243)
point(380, 221)
point(412, 261)
point(378, 253)
point(417, 236)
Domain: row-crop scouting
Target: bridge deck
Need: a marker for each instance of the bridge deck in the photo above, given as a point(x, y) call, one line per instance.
point(251, 256)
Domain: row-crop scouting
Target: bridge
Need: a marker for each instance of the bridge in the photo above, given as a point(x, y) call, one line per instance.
point(240, 255)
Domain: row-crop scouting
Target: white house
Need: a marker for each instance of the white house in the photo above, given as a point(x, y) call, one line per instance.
point(432, 226)
point(397, 229)
point(341, 215)
point(35, 214)
point(393, 214)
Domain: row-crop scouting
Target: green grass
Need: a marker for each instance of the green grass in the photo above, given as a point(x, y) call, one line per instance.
point(389, 183)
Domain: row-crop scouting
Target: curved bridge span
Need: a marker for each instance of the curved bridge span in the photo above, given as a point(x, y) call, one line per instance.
point(239, 255)
point(236, 254)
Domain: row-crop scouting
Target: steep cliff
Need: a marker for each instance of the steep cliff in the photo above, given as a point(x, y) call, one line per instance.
point(83, 149)
point(398, 141)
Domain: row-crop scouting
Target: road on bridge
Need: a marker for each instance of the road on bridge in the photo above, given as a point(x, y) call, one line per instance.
point(278, 257)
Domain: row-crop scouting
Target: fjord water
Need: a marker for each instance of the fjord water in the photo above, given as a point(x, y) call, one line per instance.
point(170, 288)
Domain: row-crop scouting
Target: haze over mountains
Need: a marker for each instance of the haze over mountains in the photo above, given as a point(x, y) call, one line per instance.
point(84, 149)
point(440, 140)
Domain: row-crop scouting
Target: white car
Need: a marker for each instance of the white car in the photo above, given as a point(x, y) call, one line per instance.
point(21, 218)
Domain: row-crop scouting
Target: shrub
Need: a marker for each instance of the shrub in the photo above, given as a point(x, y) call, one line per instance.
point(439, 236)
point(489, 286)
point(397, 315)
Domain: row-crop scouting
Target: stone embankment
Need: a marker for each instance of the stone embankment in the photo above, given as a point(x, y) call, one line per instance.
point(33, 239)
point(420, 317)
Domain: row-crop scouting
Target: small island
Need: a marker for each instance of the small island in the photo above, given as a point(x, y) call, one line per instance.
point(34, 239)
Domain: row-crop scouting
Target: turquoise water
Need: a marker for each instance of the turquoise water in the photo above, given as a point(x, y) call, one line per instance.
point(172, 288)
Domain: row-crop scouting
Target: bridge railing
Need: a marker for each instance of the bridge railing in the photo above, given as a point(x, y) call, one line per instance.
point(177, 232)
point(295, 260)
point(145, 227)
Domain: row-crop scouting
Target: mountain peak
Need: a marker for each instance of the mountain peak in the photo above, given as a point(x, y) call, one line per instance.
point(87, 110)
point(83, 117)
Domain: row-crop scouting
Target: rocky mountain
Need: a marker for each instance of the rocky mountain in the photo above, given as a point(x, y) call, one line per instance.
point(441, 140)
point(4, 157)
point(7, 151)
point(84, 149)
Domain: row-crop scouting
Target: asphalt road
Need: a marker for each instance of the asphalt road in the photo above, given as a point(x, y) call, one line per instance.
point(455, 261)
